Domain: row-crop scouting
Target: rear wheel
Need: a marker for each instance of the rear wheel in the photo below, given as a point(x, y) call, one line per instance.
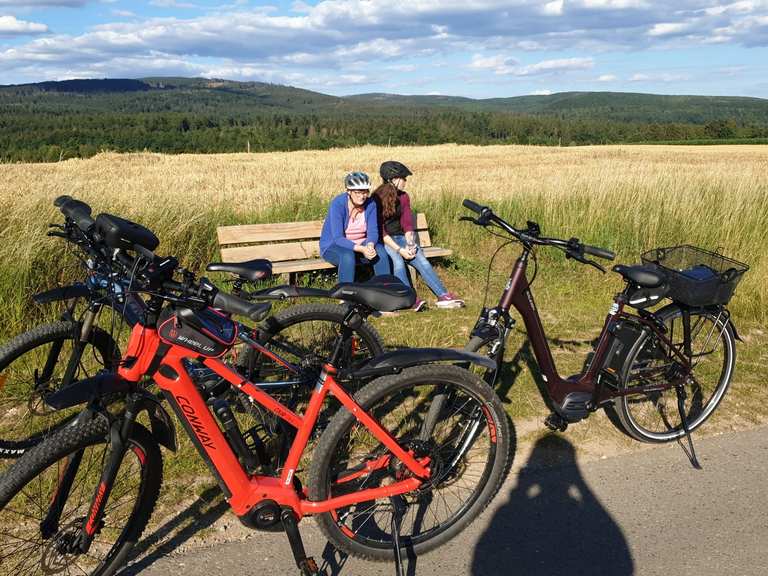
point(467, 445)
point(654, 416)
point(29, 487)
point(305, 335)
point(33, 365)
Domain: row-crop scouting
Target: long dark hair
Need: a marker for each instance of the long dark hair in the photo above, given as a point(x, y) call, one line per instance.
point(387, 198)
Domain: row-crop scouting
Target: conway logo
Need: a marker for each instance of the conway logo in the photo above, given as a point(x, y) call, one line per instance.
point(195, 422)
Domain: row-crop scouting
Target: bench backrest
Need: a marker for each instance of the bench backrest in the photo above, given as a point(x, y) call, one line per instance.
point(284, 241)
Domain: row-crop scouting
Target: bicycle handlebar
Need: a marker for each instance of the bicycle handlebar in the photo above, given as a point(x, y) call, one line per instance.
point(599, 252)
point(469, 204)
point(530, 236)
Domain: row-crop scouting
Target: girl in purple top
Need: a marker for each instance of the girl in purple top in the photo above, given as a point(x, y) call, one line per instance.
point(397, 232)
point(350, 232)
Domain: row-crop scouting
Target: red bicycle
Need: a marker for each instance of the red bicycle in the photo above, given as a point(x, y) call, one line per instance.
point(389, 471)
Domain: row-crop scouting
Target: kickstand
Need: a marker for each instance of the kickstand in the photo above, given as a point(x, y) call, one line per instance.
point(306, 564)
point(691, 453)
point(397, 518)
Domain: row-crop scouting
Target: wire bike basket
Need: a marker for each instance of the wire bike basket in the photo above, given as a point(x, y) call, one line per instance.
point(697, 277)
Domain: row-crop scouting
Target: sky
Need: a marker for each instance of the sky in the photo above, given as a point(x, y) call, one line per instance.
point(474, 48)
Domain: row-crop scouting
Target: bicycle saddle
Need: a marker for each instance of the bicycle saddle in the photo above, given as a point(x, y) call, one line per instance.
point(252, 270)
point(384, 293)
point(647, 276)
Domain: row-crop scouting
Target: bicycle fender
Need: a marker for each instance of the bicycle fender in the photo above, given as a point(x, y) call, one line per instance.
point(82, 391)
point(162, 425)
point(670, 309)
point(63, 293)
point(395, 361)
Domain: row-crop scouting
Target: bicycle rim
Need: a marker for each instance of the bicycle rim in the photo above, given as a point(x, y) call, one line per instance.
point(654, 416)
point(466, 459)
point(28, 489)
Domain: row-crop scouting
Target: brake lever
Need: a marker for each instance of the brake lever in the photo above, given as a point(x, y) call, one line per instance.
point(58, 235)
point(578, 257)
point(467, 219)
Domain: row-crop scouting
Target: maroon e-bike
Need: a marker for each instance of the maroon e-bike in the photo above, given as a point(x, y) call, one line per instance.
point(659, 374)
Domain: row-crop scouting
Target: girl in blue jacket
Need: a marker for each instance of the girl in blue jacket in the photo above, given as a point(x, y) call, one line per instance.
point(350, 232)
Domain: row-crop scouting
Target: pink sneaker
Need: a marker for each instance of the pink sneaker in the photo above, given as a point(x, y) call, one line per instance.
point(419, 305)
point(449, 300)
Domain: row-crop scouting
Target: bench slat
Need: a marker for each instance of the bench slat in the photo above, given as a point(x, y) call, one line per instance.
point(246, 233)
point(273, 252)
point(308, 264)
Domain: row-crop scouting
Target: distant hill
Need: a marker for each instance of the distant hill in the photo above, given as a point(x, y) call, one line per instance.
point(624, 106)
point(192, 94)
point(55, 120)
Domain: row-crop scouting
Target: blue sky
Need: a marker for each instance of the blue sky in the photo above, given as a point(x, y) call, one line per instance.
point(475, 48)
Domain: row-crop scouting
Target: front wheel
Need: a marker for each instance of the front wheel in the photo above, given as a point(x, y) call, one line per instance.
point(32, 365)
point(654, 416)
point(34, 541)
point(468, 447)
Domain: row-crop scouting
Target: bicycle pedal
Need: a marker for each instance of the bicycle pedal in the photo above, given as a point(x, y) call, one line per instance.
point(308, 567)
point(555, 422)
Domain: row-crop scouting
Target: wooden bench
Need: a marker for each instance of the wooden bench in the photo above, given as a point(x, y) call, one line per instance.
point(294, 247)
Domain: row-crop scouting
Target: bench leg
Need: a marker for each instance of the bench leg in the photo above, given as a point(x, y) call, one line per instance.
point(292, 278)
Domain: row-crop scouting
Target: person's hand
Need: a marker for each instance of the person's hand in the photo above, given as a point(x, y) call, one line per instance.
point(407, 254)
point(369, 251)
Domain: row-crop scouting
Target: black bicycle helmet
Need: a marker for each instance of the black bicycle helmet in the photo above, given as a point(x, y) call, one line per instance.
point(391, 169)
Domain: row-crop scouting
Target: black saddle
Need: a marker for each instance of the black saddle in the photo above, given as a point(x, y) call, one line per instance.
point(252, 270)
point(645, 275)
point(385, 293)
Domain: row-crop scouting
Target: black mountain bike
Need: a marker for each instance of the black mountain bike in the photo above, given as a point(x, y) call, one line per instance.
point(55, 355)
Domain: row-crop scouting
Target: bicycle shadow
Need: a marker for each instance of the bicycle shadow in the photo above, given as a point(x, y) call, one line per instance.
point(202, 513)
point(552, 523)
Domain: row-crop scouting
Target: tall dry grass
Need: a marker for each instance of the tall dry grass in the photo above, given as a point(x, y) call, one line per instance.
point(628, 198)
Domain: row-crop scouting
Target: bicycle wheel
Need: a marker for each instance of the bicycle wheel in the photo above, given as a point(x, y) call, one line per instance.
point(29, 487)
point(468, 450)
point(32, 365)
point(654, 416)
point(305, 335)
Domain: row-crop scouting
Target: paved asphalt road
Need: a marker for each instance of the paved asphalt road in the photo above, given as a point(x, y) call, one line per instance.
point(648, 513)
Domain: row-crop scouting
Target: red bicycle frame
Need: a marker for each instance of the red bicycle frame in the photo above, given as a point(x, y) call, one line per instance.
point(243, 491)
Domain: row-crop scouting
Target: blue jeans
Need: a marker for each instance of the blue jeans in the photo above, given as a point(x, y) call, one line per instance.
point(346, 260)
point(421, 264)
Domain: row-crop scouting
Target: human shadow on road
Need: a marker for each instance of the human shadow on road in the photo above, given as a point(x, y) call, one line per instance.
point(552, 523)
point(202, 513)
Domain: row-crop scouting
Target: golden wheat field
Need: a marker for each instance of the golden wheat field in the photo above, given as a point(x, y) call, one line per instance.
point(627, 198)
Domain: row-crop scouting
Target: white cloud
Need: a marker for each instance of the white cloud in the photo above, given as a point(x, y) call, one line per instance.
point(541, 92)
point(123, 13)
point(558, 65)
point(351, 36)
point(34, 3)
point(659, 77)
point(172, 4)
point(11, 26)
point(607, 78)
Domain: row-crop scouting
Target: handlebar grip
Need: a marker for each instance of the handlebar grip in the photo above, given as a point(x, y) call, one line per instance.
point(61, 200)
point(234, 305)
point(474, 206)
point(79, 212)
point(599, 252)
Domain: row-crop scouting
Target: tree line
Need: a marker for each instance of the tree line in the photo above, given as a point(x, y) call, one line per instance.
point(49, 135)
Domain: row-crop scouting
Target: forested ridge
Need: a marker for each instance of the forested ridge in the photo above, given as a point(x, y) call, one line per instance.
point(49, 121)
